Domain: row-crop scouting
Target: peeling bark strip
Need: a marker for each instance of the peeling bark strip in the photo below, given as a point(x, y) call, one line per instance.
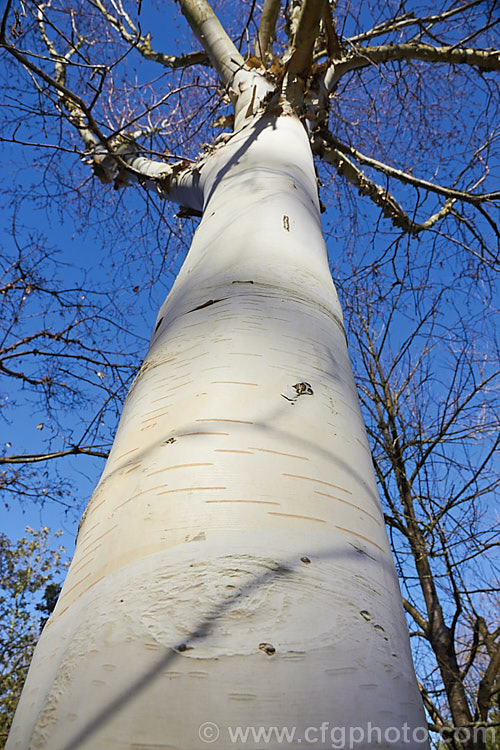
point(299, 389)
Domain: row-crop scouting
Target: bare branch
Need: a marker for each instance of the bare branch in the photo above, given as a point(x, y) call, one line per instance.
point(484, 60)
point(142, 42)
point(409, 179)
point(267, 29)
point(115, 160)
point(209, 31)
point(305, 36)
point(362, 57)
point(334, 46)
point(379, 195)
point(486, 685)
point(31, 458)
point(417, 617)
point(246, 87)
point(431, 708)
point(82, 116)
point(409, 19)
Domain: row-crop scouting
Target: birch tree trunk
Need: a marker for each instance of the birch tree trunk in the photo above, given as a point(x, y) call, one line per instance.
point(232, 565)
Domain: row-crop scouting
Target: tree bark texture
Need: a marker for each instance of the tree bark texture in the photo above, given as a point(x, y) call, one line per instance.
point(232, 565)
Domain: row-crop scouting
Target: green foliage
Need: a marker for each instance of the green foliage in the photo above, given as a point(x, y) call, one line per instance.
point(490, 735)
point(493, 734)
point(29, 572)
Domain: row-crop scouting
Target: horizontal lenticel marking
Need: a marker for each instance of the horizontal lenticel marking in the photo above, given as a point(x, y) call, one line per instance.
point(257, 502)
point(346, 502)
point(231, 450)
point(236, 421)
point(319, 481)
point(364, 538)
point(232, 382)
point(292, 515)
point(178, 466)
point(279, 453)
point(190, 489)
point(189, 434)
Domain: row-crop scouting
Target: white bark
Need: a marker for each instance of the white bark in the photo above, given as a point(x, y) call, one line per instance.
point(232, 565)
point(122, 164)
point(246, 88)
point(267, 29)
point(223, 55)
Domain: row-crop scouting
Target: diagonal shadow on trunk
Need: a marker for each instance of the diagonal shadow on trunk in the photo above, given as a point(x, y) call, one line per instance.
point(282, 569)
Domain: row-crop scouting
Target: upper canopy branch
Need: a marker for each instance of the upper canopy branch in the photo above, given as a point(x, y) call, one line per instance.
point(80, 114)
point(130, 33)
point(305, 37)
point(485, 60)
point(362, 57)
point(267, 28)
point(406, 20)
point(410, 179)
point(379, 195)
point(246, 87)
point(388, 205)
point(223, 54)
point(113, 159)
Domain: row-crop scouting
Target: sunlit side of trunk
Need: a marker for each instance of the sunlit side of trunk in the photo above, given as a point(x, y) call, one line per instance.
point(232, 565)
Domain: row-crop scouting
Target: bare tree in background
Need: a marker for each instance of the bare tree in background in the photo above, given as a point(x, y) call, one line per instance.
point(399, 106)
point(60, 348)
point(426, 369)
